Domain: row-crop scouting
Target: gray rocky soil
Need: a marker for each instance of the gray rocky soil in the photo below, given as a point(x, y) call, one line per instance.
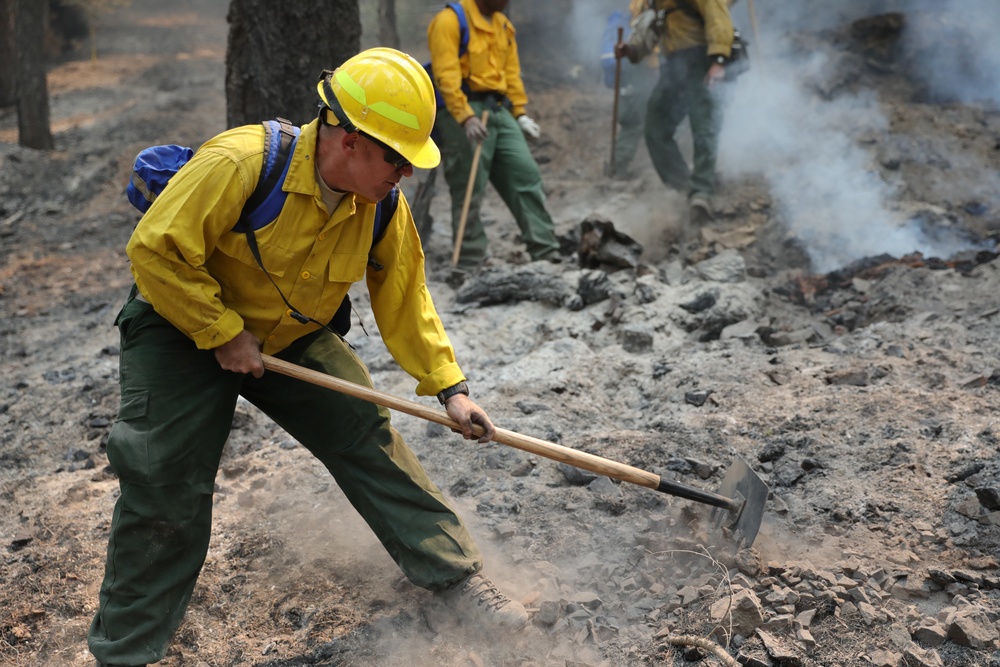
point(835, 328)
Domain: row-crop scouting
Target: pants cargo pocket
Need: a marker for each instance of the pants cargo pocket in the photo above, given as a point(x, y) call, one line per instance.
point(128, 442)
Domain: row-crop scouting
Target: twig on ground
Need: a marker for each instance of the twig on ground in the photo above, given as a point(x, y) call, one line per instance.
point(701, 642)
point(725, 582)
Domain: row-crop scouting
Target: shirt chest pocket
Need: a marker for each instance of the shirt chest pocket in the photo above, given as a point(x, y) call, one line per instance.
point(488, 56)
point(274, 258)
point(346, 267)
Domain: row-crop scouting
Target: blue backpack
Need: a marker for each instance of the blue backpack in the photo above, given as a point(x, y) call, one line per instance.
point(617, 19)
point(154, 166)
point(463, 47)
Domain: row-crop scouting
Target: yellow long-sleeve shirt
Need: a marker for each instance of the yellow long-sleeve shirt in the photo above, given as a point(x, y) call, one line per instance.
point(683, 31)
point(200, 275)
point(490, 64)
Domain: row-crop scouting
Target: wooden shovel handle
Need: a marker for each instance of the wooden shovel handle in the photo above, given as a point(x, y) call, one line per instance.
point(549, 450)
point(526, 443)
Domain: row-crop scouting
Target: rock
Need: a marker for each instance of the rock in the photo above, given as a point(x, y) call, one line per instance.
point(882, 658)
point(932, 634)
point(576, 476)
point(702, 302)
point(636, 340)
point(917, 657)
point(548, 613)
point(601, 245)
point(593, 287)
point(726, 267)
point(781, 651)
point(965, 472)
point(748, 562)
point(805, 619)
point(743, 609)
point(805, 639)
point(687, 595)
point(971, 626)
point(989, 497)
point(744, 329)
point(697, 397)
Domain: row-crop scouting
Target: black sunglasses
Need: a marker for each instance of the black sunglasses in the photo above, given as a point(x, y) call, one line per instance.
point(391, 156)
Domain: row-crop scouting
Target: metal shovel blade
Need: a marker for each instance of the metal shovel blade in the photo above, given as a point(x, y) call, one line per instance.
point(741, 525)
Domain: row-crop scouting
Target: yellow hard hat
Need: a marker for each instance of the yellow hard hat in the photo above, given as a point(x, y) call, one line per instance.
point(388, 96)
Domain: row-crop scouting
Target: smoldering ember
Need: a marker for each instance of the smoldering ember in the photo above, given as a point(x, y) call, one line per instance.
point(832, 334)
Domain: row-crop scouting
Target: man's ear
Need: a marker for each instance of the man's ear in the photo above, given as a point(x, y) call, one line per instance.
point(349, 141)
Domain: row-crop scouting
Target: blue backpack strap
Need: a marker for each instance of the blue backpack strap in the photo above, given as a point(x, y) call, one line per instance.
point(384, 210)
point(463, 48)
point(463, 27)
point(268, 198)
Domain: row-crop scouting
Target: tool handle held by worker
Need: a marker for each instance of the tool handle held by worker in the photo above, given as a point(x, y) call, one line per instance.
point(470, 186)
point(614, 112)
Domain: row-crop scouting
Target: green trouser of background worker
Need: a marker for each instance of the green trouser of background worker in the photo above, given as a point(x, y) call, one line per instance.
point(177, 406)
point(636, 84)
point(681, 92)
point(505, 161)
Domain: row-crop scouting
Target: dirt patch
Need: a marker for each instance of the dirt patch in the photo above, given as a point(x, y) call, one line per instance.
point(865, 394)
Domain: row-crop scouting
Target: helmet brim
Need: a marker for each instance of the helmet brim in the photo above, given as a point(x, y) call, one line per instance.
point(428, 157)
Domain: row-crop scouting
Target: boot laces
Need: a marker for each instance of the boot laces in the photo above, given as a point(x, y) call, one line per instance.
point(484, 592)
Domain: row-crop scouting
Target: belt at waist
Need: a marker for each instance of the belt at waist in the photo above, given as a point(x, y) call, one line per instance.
point(494, 99)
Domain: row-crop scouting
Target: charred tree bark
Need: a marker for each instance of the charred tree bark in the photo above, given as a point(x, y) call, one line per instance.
point(32, 89)
point(277, 51)
point(8, 75)
point(387, 33)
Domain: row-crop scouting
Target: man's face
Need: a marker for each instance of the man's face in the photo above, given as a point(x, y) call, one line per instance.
point(490, 6)
point(375, 176)
point(358, 164)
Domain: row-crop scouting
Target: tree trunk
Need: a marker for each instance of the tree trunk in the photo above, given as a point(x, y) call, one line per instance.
point(32, 89)
point(8, 75)
point(387, 33)
point(277, 51)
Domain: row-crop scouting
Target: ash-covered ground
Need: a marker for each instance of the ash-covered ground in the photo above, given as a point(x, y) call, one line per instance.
point(835, 328)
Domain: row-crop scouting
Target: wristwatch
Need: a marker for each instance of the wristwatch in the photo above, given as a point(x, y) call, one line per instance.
point(460, 388)
point(718, 60)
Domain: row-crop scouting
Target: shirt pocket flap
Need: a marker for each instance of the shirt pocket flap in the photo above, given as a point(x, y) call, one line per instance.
point(274, 258)
point(347, 268)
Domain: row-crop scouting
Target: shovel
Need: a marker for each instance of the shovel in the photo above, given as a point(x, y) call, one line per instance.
point(739, 503)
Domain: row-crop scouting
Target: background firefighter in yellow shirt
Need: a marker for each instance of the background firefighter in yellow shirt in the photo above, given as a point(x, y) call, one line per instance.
point(635, 84)
point(695, 39)
point(488, 76)
point(193, 328)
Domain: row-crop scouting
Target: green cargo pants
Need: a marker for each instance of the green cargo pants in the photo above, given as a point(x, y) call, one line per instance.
point(680, 92)
point(507, 163)
point(637, 82)
point(176, 411)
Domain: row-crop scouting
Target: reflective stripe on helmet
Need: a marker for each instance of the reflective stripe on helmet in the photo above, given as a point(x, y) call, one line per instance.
point(382, 108)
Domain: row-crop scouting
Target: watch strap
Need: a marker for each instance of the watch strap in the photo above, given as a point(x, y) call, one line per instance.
point(460, 388)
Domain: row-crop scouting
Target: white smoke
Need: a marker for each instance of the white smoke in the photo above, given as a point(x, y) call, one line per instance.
point(815, 152)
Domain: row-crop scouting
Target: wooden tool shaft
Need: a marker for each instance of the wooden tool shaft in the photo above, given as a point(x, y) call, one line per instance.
point(470, 186)
point(614, 111)
point(549, 450)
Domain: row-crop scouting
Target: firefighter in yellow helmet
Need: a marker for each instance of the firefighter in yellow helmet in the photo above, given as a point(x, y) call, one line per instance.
point(209, 298)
